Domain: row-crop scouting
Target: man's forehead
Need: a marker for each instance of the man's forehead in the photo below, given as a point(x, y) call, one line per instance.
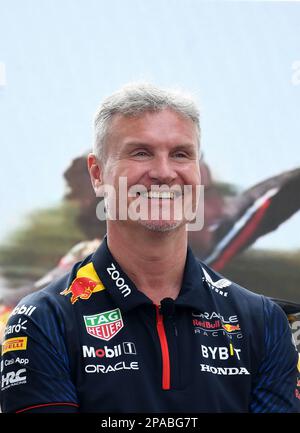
point(147, 120)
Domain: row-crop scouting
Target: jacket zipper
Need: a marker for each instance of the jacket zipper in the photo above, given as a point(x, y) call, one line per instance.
point(164, 350)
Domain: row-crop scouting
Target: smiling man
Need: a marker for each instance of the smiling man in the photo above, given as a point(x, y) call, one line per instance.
point(141, 325)
point(157, 152)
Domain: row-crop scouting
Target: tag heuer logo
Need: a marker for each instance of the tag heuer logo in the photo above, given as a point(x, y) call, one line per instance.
point(104, 325)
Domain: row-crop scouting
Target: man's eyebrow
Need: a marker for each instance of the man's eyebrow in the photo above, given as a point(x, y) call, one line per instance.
point(136, 144)
point(183, 146)
point(186, 146)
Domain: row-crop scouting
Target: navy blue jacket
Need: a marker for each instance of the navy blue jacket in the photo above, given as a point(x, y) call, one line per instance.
point(92, 342)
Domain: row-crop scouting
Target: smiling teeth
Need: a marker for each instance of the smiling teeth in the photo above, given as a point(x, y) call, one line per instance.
point(159, 194)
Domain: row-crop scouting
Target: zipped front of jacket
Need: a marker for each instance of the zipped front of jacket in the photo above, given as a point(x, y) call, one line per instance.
point(166, 373)
point(167, 334)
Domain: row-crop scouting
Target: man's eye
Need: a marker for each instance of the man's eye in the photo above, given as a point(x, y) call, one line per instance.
point(140, 153)
point(180, 155)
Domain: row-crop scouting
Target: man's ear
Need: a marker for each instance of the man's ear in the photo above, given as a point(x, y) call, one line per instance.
point(96, 173)
point(206, 178)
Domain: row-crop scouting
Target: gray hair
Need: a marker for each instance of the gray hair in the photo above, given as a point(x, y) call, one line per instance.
point(135, 99)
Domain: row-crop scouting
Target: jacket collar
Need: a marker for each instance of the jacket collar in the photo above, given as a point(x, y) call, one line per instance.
point(127, 296)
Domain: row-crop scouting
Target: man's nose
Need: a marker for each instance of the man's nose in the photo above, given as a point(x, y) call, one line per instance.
point(162, 171)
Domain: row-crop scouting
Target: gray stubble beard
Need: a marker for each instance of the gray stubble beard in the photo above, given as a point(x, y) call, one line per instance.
point(166, 227)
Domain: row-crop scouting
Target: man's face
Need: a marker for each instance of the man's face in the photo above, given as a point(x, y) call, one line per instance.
point(159, 153)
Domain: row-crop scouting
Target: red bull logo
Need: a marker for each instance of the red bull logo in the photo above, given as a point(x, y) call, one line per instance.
point(81, 288)
point(215, 324)
point(84, 285)
point(231, 328)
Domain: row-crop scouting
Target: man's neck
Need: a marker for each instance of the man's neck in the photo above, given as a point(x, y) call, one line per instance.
point(154, 261)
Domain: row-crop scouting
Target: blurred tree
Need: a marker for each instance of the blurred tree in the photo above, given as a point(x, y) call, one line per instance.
point(37, 246)
point(272, 273)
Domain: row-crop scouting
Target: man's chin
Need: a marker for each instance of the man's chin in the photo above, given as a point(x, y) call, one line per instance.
point(160, 226)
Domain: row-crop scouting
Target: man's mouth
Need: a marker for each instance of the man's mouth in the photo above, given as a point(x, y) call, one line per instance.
point(162, 195)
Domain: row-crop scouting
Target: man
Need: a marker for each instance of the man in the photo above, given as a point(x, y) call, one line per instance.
point(141, 325)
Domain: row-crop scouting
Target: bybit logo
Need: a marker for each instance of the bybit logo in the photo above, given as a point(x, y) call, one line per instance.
point(220, 353)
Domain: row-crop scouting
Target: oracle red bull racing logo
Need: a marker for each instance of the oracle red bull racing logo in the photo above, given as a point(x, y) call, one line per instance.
point(104, 325)
point(213, 323)
point(84, 285)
